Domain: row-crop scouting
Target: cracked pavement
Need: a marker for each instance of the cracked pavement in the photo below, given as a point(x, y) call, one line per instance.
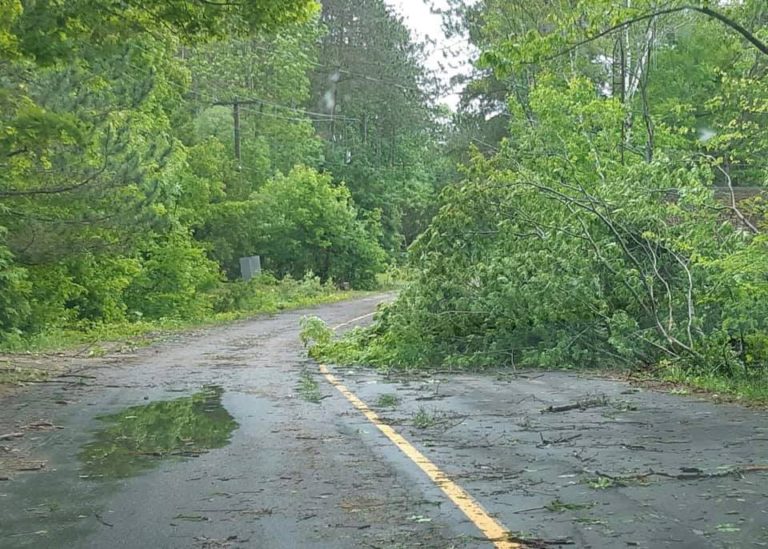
point(558, 457)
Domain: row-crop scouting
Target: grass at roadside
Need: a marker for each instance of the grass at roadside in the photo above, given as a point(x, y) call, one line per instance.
point(236, 302)
point(744, 388)
point(355, 348)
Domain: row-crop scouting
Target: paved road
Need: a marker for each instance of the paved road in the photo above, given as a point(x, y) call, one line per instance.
point(232, 438)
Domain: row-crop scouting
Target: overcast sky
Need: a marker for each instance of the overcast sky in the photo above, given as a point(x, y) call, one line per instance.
point(418, 16)
point(423, 24)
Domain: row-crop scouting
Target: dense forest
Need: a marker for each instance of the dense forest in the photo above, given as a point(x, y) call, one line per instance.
point(594, 200)
point(147, 148)
point(610, 209)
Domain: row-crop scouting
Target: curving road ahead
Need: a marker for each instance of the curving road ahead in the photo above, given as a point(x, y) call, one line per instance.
point(230, 437)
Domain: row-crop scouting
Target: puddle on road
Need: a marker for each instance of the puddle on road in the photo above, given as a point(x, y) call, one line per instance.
point(141, 437)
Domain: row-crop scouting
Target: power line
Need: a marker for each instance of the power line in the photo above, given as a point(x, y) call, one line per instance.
point(346, 71)
point(280, 117)
point(216, 101)
point(242, 104)
point(302, 111)
point(320, 65)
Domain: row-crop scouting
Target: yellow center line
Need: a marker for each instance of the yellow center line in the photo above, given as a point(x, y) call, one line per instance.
point(348, 322)
point(489, 526)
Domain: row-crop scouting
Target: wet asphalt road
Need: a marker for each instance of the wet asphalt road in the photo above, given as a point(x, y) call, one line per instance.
point(231, 438)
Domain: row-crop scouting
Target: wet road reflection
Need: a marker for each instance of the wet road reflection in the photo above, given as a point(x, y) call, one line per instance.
point(141, 437)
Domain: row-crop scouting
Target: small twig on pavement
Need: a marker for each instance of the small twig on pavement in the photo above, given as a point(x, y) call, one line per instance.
point(581, 405)
point(535, 543)
point(691, 473)
point(31, 467)
point(687, 473)
point(561, 440)
point(101, 520)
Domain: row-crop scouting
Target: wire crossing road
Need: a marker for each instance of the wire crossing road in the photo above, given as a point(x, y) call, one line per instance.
point(231, 437)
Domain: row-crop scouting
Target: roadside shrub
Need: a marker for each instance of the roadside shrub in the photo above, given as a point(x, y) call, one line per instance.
point(265, 293)
point(14, 295)
point(54, 292)
point(176, 280)
point(98, 286)
point(304, 223)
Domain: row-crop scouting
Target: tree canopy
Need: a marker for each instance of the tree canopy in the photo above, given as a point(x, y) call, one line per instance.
point(127, 193)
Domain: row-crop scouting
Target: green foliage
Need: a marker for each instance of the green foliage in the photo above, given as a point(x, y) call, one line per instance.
point(268, 72)
point(53, 31)
point(14, 295)
point(601, 483)
point(358, 346)
point(591, 235)
point(380, 131)
point(304, 223)
point(267, 294)
point(10, 10)
point(54, 292)
point(314, 332)
point(424, 419)
point(744, 387)
point(95, 288)
point(175, 281)
point(117, 176)
point(308, 388)
point(231, 301)
point(388, 400)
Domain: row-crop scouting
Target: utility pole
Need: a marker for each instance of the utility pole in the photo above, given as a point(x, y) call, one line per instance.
point(236, 116)
point(235, 103)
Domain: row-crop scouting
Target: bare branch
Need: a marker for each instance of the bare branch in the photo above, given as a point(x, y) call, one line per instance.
point(751, 38)
point(54, 190)
point(16, 152)
point(734, 206)
point(219, 4)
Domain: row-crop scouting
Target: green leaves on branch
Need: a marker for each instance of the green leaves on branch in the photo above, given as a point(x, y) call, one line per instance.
point(559, 252)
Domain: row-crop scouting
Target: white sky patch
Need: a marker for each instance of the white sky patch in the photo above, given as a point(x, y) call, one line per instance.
point(705, 134)
point(446, 57)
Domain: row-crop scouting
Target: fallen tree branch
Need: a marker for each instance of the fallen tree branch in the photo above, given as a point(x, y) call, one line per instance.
point(581, 405)
point(535, 543)
point(687, 473)
point(693, 473)
point(102, 521)
point(561, 440)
